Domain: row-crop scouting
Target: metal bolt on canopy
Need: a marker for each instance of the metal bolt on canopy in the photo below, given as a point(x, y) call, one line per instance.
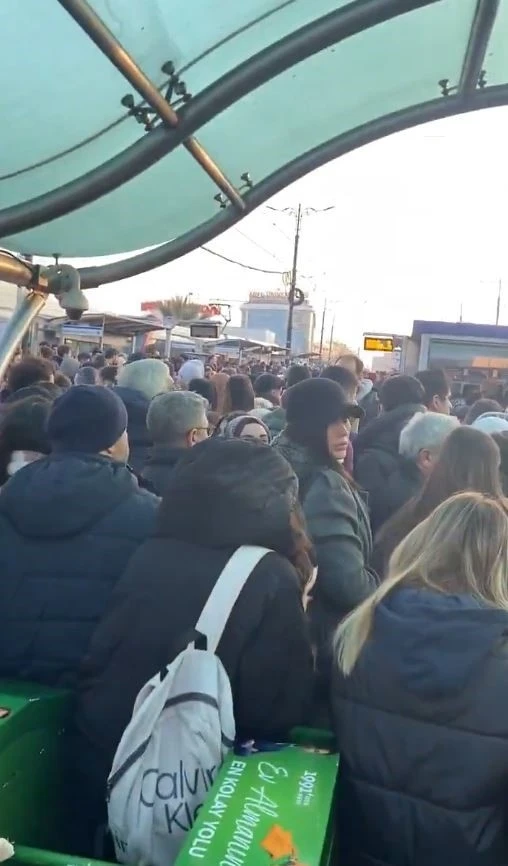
point(105, 40)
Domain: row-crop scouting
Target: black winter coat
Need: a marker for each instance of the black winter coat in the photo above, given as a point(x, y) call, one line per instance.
point(160, 465)
point(422, 729)
point(265, 647)
point(389, 479)
point(140, 441)
point(68, 526)
point(338, 524)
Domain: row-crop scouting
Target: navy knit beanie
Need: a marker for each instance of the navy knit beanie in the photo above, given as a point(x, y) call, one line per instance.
point(87, 419)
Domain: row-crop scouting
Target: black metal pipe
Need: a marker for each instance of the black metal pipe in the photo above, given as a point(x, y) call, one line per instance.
point(252, 73)
point(437, 109)
point(106, 41)
point(481, 31)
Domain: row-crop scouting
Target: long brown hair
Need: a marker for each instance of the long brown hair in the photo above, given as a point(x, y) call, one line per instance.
point(302, 554)
point(462, 547)
point(468, 460)
point(220, 381)
point(239, 395)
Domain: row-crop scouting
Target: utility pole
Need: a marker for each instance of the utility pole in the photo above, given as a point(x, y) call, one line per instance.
point(295, 295)
point(498, 305)
point(330, 348)
point(322, 338)
point(292, 289)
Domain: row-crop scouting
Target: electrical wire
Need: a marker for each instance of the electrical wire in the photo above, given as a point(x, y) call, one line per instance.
point(241, 264)
point(258, 245)
point(288, 238)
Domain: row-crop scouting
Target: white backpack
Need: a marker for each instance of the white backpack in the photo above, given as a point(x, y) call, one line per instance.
point(182, 728)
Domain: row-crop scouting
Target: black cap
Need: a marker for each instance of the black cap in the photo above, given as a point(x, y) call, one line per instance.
point(316, 403)
point(87, 419)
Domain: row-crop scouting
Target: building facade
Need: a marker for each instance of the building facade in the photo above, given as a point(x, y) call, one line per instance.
point(467, 351)
point(268, 311)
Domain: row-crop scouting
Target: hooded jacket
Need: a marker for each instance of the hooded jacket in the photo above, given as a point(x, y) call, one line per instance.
point(389, 479)
point(44, 390)
point(422, 730)
point(140, 441)
point(338, 524)
point(368, 399)
point(207, 514)
point(68, 525)
point(159, 466)
point(276, 421)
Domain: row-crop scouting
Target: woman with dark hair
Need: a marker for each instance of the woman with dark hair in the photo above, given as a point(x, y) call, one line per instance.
point(468, 460)
point(239, 395)
point(240, 426)
point(315, 443)
point(23, 437)
point(223, 494)
point(206, 389)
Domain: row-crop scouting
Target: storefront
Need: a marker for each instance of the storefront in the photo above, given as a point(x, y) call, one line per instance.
point(467, 352)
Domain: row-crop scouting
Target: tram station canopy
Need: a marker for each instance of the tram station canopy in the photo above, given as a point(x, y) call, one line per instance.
point(156, 124)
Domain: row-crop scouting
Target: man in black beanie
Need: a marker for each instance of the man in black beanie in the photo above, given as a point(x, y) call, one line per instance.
point(69, 523)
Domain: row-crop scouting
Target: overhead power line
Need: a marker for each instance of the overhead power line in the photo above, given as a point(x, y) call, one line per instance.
point(241, 264)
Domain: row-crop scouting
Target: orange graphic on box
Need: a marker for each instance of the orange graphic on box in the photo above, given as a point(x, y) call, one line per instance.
point(280, 847)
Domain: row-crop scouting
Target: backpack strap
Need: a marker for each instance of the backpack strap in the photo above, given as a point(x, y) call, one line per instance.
point(222, 599)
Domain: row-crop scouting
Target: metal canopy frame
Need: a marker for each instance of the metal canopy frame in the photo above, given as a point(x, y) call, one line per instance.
point(481, 30)
point(95, 28)
point(319, 34)
point(178, 128)
point(437, 109)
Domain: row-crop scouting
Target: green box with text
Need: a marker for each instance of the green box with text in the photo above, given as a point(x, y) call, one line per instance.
point(267, 809)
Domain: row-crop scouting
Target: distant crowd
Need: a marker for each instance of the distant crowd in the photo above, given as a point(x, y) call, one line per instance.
point(378, 608)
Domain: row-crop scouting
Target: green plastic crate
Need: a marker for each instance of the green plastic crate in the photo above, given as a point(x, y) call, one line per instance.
point(33, 720)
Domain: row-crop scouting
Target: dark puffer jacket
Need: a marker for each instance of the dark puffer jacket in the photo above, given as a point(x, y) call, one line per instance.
point(214, 504)
point(339, 527)
point(275, 420)
point(422, 730)
point(140, 441)
point(68, 526)
point(389, 479)
point(160, 465)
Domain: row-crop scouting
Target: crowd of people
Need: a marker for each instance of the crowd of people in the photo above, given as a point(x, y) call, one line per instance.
point(380, 609)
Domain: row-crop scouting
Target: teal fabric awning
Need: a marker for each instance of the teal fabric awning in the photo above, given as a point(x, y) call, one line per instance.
point(262, 91)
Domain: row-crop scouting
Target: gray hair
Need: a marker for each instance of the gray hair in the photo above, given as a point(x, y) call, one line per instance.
point(172, 415)
point(149, 376)
point(426, 431)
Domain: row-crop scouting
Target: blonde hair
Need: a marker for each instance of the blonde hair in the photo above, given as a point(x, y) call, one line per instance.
point(462, 547)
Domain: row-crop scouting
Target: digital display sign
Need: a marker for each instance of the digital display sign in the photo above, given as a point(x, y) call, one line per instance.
point(378, 344)
point(205, 330)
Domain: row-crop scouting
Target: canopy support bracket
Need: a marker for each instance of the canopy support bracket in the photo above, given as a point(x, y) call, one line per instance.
point(105, 40)
point(473, 74)
point(63, 281)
